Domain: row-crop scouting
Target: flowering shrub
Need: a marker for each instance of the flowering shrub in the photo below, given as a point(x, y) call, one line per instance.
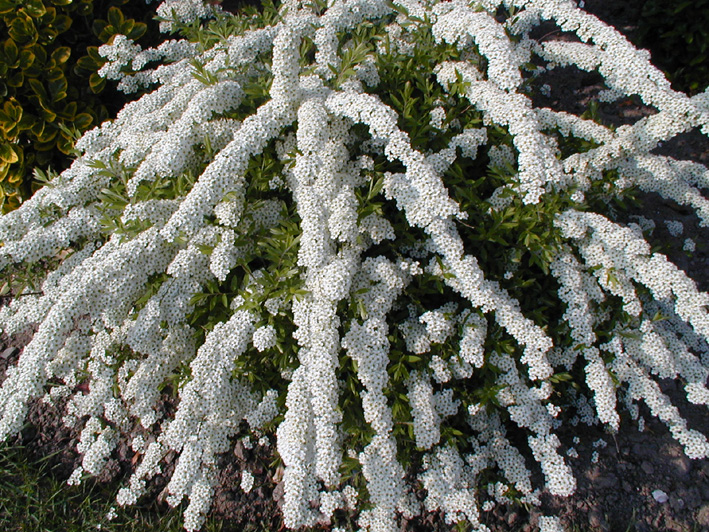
point(349, 225)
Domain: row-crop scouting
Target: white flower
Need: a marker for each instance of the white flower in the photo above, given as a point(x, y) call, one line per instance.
point(247, 481)
point(264, 337)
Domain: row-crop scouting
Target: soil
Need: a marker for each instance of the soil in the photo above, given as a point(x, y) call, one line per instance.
point(640, 481)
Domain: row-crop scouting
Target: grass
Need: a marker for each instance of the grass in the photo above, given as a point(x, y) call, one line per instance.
point(33, 498)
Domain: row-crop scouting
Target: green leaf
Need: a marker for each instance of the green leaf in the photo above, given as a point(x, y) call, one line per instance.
point(126, 27)
point(86, 65)
point(58, 88)
point(61, 55)
point(47, 140)
point(7, 6)
point(34, 8)
point(27, 58)
point(69, 111)
point(7, 154)
point(11, 52)
point(98, 26)
point(96, 83)
point(64, 145)
point(83, 121)
point(139, 29)
point(17, 80)
point(115, 17)
point(38, 89)
point(62, 23)
point(22, 30)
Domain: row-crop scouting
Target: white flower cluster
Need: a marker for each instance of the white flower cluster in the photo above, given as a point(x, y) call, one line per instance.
point(173, 12)
point(247, 481)
point(264, 337)
point(117, 318)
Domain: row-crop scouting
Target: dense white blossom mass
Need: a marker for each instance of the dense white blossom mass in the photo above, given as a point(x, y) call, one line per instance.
point(268, 233)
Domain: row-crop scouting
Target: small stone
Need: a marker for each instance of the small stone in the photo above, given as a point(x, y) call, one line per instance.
point(705, 468)
point(647, 467)
point(608, 481)
point(7, 353)
point(239, 450)
point(512, 518)
point(627, 487)
point(278, 493)
point(677, 503)
point(681, 466)
point(660, 496)
point(643, 450)
point(703, 516)
point(597, 521)
point(691, 497)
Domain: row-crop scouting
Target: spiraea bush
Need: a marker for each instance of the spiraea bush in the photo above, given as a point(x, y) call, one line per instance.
point(348, 226)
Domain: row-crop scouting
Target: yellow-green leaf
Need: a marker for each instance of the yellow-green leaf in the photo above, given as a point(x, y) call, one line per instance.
point(17, 80)
point(7, 154)
point(11, 52)
point(34, 8)
point(26, 58)
point(22, 30)
point(54, 74)
point(66, 146)
point(7, 6)
point(38, 128)
point(4, 169)
point(15, 176)
point(61, 55)
point(115, 17)
point(69, 111)
point(48, 114)
point(83, 121)
point(37, 88)
point(27, 121)
point(12, 110)
point(62, 23)
point(96, 83)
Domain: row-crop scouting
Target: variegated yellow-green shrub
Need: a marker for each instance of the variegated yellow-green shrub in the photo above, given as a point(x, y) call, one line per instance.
point(47, 89)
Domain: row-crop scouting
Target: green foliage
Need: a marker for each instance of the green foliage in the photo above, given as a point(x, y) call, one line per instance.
point(677, 34)
point(45, 101)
